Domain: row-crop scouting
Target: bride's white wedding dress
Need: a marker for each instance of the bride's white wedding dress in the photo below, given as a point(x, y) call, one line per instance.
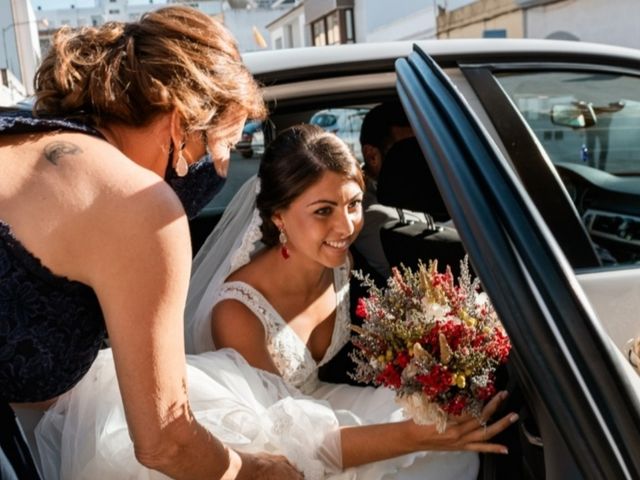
point(84, 435)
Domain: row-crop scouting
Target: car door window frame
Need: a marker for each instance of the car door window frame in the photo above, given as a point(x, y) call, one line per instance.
point(532, 163)
point(572, 368)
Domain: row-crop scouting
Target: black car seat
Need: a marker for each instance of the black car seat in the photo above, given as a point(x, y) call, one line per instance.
point(405, 182)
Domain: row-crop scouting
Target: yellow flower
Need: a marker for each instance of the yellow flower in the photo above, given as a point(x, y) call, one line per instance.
point(461, 381)
point(467, 319)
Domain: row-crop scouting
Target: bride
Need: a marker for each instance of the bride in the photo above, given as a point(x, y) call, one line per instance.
point(281, 300)
point(268, 305)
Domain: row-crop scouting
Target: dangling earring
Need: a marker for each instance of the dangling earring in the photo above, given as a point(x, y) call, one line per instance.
point(181, 165)
point(282, 238)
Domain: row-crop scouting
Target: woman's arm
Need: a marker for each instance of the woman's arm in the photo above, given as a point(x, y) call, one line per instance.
point(394, 439)
point(141, 276)
point(137, 255)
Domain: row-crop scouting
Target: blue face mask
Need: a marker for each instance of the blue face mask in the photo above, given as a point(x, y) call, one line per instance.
point(198, 187)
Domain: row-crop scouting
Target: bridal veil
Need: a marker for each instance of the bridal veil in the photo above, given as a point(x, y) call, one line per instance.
point(229, 247)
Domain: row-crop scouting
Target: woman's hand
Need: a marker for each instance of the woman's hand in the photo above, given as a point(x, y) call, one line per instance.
point(467, 432)
point(263, 466)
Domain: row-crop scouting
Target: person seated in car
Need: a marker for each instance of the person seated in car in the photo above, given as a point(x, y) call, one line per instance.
point(384, 126)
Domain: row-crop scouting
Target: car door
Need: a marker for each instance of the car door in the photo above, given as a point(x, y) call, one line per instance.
point(582, 396)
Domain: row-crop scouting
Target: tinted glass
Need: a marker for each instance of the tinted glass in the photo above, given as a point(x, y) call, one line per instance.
point(582, 117)
point(324, 120)
point(589, 125)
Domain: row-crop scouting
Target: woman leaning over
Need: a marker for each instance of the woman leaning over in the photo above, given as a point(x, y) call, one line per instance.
point(93, 231)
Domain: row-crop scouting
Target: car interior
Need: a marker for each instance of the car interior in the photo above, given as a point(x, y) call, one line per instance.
point(605, 206)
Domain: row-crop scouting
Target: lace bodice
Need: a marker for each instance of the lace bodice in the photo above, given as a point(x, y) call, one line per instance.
point(289, 353)
point(51, 327)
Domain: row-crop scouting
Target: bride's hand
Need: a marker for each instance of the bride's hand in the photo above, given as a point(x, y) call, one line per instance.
point(264, 466)
point(466, 432)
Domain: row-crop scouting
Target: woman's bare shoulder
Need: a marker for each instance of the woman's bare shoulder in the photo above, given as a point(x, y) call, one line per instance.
point(113, 186)
point(234, 324)
point(112, 206)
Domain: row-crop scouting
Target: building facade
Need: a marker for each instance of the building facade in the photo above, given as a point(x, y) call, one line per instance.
point(289, 30)
point(333, 22)
point(407, 20)
point(613, 22)
point(20, 50)
point(482, 18)
point(245, 18)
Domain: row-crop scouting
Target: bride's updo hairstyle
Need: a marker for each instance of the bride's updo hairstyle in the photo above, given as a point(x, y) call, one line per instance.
point(294, 161)
point(172, 58)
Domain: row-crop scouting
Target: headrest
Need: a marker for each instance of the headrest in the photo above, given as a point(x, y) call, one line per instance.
point(406, 182)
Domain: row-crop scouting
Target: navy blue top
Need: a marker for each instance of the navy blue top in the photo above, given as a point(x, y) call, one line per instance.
point(51, 327)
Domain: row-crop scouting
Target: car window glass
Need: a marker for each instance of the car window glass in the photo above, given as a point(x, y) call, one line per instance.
point(244, 162)
point(324, 120)
point(582, 117)
point(589, 125)
point(345, 123)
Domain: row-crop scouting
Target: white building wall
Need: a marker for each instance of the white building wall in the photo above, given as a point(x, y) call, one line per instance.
point(305, 34)
point(613, 22)
point(375, 21)
point(118, 10)
point(11, 89)
point(360, 20)
point(241, 23)
point(288, 30)
point(20, 45)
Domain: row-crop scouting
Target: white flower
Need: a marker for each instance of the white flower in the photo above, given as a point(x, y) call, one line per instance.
point(434, 311)
point(482, 299)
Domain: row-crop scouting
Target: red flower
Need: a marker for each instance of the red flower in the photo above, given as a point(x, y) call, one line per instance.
point(402, 359)
point(455, 406)
point(485, 393)
point(455, 332)
point(499, 346)
point(389, 377)
point(361, 309)
point(436, 381)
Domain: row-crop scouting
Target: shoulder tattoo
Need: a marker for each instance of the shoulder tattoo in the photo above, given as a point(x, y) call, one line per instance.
point(55, 150)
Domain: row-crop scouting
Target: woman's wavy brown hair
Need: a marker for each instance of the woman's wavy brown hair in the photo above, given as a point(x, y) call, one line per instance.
point(174, 57)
